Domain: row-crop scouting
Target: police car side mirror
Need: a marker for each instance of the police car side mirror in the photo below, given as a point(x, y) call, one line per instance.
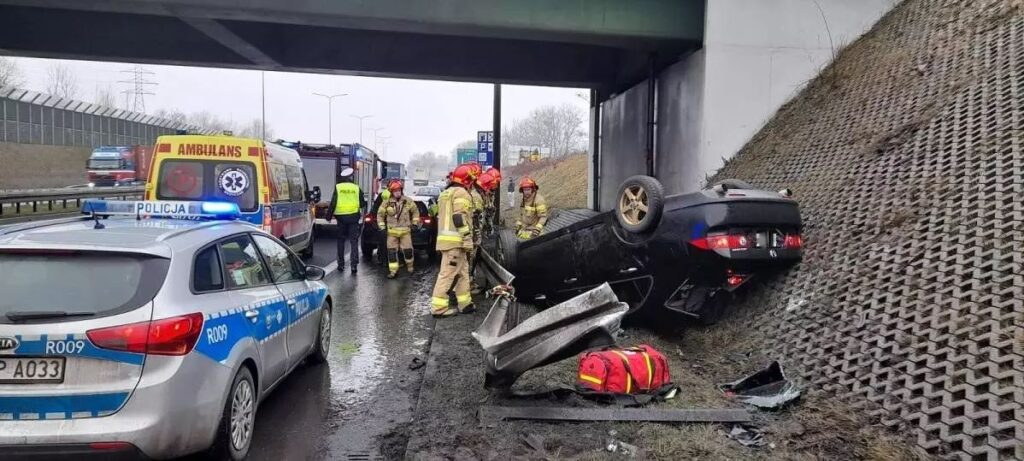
point(314, 273)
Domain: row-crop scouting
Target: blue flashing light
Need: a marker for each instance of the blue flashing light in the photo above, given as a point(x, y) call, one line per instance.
point(220, 208)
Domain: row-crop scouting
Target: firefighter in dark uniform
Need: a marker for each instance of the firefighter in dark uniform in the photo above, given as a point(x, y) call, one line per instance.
point(346, 206)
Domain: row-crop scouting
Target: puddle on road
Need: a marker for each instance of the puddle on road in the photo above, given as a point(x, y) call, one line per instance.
point(367, 391)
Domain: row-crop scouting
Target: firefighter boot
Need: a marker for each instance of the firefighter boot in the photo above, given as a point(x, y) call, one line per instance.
point(392, 263)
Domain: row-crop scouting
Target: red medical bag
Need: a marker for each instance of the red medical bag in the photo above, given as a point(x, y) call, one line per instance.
point(631, 370)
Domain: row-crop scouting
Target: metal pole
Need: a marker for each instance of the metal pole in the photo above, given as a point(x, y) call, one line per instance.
point(651, 121)
point(497, 150)
point(263, 103)
point(595, 146)
point(330, 114)
point(361, 118)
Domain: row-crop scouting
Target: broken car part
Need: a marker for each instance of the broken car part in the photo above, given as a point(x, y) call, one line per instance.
point(768, 388)
point(587, 321)
point(492, 414)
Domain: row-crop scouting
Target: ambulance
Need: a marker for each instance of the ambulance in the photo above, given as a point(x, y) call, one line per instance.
point(265, 180)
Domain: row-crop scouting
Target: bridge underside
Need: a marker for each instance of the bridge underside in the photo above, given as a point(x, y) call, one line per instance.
point(609, 46)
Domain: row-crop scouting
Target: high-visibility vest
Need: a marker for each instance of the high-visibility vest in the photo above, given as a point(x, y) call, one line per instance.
point(347, 199)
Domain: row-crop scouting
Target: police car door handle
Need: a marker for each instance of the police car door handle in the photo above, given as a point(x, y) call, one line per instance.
point(629, 270)
point(570, 280)
point(252, 315)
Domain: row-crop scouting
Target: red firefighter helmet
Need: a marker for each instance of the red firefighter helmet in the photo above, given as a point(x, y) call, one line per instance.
point(528, 182)
point(395, 185)
point(487, 182)
point(475, 170)
point(463, 175)
point(495, 173)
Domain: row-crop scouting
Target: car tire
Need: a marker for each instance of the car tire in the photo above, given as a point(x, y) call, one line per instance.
point(508, 249)
point(735, 184)
point(239, 413)
point(322, 348)
point(367, 252)
point(640, 202)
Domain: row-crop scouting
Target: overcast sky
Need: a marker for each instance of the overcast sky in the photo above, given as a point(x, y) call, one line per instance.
point(418, 115)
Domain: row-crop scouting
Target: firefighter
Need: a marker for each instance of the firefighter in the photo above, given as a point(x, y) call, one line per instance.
point(397, 217)
point(455, 242)
point(533, 210)
point(346, 205)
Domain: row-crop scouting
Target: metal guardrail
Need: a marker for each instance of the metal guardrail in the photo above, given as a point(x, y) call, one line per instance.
point(17, 203)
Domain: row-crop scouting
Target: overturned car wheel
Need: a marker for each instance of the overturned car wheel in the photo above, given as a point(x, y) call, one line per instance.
point(641, 201)
point(508, 248)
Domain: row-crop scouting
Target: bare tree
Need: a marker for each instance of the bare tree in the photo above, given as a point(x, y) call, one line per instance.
point(254, 129)
point(206, 120)
point(10, 73)
point(559, 128)
point(104, 96)
point(435, 165)
point(174, 115)
point(61, 81)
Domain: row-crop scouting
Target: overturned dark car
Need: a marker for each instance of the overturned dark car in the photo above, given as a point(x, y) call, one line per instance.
point(687, 253)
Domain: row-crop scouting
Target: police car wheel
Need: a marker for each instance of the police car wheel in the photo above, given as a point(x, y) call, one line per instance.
point(234, 436)
point(323, 337)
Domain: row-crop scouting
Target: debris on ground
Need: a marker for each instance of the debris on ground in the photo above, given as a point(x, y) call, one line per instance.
point(748, 437)
point(584, 322)
point(767, 388)
point(622, 448)
point(491, 414)
point(417, 363)
point(536, 443)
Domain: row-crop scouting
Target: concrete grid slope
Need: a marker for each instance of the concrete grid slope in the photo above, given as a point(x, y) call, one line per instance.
point(907, 157)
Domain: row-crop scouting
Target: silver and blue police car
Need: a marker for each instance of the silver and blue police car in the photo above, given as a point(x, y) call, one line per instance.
point(126, 337)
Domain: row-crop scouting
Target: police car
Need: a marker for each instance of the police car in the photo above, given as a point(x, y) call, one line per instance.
point(143, 336)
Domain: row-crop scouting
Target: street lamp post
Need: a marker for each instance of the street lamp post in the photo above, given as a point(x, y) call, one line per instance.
point(361, 118)
point(330, 114)
point(375, 137)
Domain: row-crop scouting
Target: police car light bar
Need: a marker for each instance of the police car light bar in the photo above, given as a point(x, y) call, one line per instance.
point(162, 209)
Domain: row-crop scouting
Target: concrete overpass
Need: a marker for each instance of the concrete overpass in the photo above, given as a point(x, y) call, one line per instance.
point(602, 44)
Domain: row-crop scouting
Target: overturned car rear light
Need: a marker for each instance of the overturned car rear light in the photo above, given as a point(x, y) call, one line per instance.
point(722, 242)
point(170, 336)
point(369, 218)
point(793, 241)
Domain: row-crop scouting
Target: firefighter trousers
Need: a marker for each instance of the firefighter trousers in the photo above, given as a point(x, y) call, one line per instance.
point(399, 242)
point(453, 277)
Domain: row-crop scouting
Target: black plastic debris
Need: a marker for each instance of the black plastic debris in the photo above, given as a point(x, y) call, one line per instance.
point(768, 388)
point(748, 437)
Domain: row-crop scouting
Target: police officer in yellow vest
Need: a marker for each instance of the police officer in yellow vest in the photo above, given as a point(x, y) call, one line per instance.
point(397, 216)
point(347, 203)
point(455, 242)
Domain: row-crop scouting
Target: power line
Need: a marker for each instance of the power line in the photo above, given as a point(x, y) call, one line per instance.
point(135, 96)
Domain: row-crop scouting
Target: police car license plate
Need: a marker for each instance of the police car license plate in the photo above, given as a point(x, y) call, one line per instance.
point(31, 370)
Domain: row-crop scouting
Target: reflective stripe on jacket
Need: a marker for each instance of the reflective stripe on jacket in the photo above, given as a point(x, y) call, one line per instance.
point(454, 208)
point(533, 213)
point(399, 215)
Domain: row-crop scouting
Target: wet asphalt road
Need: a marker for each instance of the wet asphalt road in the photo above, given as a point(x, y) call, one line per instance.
point(354, 407)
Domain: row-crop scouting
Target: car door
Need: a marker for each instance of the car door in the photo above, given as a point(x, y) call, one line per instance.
point(548, 264)
point(289, 276)
point(249, 283)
